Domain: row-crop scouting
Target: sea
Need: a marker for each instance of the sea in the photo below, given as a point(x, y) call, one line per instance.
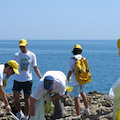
point(102, 56)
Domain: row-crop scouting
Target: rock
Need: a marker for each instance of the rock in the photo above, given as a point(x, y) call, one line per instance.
point(101, 107)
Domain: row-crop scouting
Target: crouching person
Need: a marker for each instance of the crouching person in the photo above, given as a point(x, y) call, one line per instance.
point(52, 84)
point(9, 68)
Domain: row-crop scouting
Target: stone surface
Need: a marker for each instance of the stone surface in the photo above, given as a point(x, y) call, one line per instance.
point(101, 107)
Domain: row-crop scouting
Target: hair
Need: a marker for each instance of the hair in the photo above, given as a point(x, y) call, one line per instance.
point(8, 65)
point(77, 51)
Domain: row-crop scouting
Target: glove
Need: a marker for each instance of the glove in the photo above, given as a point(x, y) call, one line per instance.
point(46, 97)
point(32, 118)
point(4, 82)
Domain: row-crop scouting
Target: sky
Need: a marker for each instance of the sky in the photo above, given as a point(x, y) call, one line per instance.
point(59, 19)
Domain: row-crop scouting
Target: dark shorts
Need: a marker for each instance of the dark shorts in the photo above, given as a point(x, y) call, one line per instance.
point(25, 86)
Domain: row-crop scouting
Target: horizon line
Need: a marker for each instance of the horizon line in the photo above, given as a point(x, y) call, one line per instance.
point(60, 39)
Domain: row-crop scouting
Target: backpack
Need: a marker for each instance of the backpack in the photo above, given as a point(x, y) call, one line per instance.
point(82, 71)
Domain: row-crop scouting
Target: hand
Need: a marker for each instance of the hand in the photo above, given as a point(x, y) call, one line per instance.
point(32, 118)
point(4, 82)
point(8, 108)
point(68, 78)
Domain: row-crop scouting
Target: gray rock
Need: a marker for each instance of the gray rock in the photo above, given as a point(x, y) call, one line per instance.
point(101, 107)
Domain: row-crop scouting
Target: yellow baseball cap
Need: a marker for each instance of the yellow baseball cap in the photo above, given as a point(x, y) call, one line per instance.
point(77, 46)
point(22, 42)
point(118, 44)
point(14, 65)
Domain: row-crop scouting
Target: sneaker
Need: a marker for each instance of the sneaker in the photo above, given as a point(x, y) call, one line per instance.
point(87, 111)
point(20, 115)
point(78, 117)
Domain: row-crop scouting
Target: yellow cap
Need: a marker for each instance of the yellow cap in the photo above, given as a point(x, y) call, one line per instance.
point(14, 65)
point(118, 44)
point(77, 46)
point(22, 42)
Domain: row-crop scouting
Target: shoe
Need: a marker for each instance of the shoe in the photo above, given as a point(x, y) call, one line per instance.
point(87, 111)
point(79, 117)
point(26, 118)
point(20, 115)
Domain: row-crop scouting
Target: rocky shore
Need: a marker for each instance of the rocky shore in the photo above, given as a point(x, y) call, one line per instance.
point(101, 107)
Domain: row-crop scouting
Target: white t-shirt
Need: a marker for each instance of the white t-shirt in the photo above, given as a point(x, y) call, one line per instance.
point(60, 86)
point(71, 67)
point(1, 73)
point(26, 63)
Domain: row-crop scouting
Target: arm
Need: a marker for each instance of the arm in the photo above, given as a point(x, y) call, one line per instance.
point(4, 98)
point(69, 74)
point(37, 71)
point(32, 106)
point(56, 96)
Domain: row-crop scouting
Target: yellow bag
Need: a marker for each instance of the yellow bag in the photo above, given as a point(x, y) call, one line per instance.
point(82, 71)
point(4, 82)
point(118, 114)
point(68, 88)
point(116, 103)
point(49, 107)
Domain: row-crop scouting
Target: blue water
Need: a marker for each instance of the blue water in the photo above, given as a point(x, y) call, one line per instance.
point(102, 56)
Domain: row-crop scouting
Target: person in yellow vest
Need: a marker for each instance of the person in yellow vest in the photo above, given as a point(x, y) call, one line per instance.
point(114, 94)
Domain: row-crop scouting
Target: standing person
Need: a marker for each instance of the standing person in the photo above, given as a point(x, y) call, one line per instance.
point(9, 69)
point(78, 89)
point(27, 61)
point(114, 94)
point(52, 82)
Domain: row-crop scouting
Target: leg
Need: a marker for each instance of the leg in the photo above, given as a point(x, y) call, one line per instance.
point(84, 97)
point(27, 86)
point(76, 94)
point(27, 103)
point(59, 108)
point(77, 105)
point(16, 96)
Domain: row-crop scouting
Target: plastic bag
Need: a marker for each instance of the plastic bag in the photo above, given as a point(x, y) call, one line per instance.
point(68, 88)
point(49, 107)
point(114, 93)
point(111, 92)
point(39, 110)
point(118, 114)
point(4, 82)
